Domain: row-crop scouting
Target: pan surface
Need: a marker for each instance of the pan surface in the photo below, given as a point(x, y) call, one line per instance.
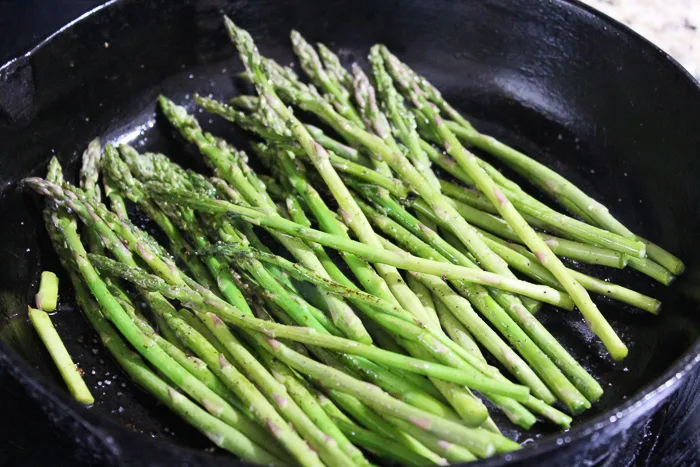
point(555, 79)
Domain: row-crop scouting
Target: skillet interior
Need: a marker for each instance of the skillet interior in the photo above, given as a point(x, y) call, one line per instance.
point(589, 99)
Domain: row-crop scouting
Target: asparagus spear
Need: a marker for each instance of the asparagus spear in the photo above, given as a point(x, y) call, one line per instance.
point(518, 413)
point(379, 445)
point(460, 399)
point(483, 444)
point(523, 260)
point(480, 442)
point(89, 176)
point(295, 92)
point(153, 352)
point(270, 387)
point(562, 247)
point(243, 303)
point(373, 118)
point(406, 393)
point(380, 375)
point(120, 175)
point(307, 401)
point(558, 187)
point(402, 120)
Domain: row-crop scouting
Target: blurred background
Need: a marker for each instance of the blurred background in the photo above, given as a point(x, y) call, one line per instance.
point(673, 25)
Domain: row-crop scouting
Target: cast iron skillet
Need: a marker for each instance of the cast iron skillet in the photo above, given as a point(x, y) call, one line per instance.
point(552, 77)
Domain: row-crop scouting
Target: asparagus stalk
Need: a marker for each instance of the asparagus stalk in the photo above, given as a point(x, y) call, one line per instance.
point(301, 395)
point(521, 259)
point(377, 371)
point(552, 183)
point(333, 66)
point(560, 189)
point(453, 453)
point(456, 330)
point(395, 385)
point(424, 296)
point(89, 176)
point(232, 435)
point(368, 299)
point(443, 250)
point(376, 423)
point(573, 250)
point(307, 100)
point(269, 386)
point(221, 434)
point(338, 93)
point(373, 117)
point(471, 412)
point(483, 443)
point(120, 175)
point(154, 353)
point(480, 442)
point(401, 119)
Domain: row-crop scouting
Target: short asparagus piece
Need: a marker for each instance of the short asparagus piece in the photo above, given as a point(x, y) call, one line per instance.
point(47, 297)
point(70, 373)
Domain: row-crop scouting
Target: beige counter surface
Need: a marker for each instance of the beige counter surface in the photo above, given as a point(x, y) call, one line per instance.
point(673, 25)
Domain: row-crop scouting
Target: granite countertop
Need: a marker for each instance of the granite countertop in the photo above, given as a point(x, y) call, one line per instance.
point(673, 25)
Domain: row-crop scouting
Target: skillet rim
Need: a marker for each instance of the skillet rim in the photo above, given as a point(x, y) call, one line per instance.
point(642, 401)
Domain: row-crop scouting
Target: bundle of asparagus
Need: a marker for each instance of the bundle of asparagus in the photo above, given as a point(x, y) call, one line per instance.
point(294, 354)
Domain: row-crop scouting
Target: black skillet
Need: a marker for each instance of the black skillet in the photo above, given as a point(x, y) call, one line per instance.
point(554, 78)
